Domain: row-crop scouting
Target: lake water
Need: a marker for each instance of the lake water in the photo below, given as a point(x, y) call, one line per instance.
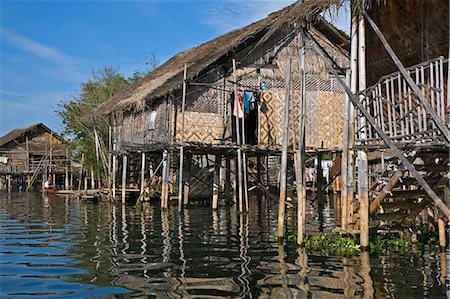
point(57, 247)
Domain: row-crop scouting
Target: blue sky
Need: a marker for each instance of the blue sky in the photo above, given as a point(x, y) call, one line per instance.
point(48, 48)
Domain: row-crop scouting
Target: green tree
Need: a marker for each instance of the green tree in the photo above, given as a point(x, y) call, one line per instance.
point(103, 85)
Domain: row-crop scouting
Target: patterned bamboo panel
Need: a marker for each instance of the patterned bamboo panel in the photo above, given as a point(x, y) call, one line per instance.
point(200, 127)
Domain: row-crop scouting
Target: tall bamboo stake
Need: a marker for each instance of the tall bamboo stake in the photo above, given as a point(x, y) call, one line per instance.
point(345, 158)
point(180, 178)
point(81, 174)
point(109, 160)
point(301, 154)
point(216, 182)
point(142, 173)
point(114, 163)
point(363, 172)
point(124, 177)
point(283, 168)
point(239, 166)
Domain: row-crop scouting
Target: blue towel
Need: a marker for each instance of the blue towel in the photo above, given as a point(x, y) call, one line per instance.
point(248, 99)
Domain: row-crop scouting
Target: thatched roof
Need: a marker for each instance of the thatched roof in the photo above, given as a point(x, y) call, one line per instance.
point(168, 77)
point(18, 133)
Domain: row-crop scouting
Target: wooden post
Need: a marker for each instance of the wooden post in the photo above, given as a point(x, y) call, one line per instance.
point(92, 178)
point(142, 173)
point(239, 156)
point(114, 162)
point(9, 183)
point(216, 182)
point(180, 177)
point(283, 167)
point(66, 178)
point(227, 177)
point(442, 234)
point(109, 159)
point(81, 174)
point(363, 172)
point(301, 153)
point(188, 161)
point(345, 158)
point(164, 203)
point(124, 177)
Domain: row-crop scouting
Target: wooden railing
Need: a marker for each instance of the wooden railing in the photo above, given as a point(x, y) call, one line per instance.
point(397, 109)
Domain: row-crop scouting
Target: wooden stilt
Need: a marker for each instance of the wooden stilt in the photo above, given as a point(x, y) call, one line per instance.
point(344, 162)
point(92, 178)
point(85, 182)
point(81, 174)
point(164, 203)
point(9, 178)
point(66, 168)
point(113, 177)
point(227, 178)
point(124, 177)
point(363, 173)
point(142, 173)
point(301, 153)
point(283, 167)
point(442, 234)
point(216, 182)
point(239, 153)
point(109, 160)
point(180, 177)
point(187, 174)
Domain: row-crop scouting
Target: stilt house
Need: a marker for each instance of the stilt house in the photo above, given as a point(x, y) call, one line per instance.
point(150, 115)
point(32, 153)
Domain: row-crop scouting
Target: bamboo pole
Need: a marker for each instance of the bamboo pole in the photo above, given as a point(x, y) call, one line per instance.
point(109, 160)
point(92, 178)
point(114, 162)
point(216, 182)
point(142, 173)
point(239, 155)
point(363, 172)
point(81, 174)
point(301, 154)
point(66, 168)
point(124, 177)
point(164, 203)
point(442, 234)
point(345, 158)
point(180, 178)
point(188, 161)
point(227, 177)
point(244, 163)
point(283, 167)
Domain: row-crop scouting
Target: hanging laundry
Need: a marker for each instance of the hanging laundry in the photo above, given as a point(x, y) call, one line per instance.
point(253, 103)
point(238, 111)
point(248, 99)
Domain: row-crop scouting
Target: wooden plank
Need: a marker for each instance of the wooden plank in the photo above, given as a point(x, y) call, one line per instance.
point(124, 177)
point(400, 104)
point(419, 108)
point(388, 105)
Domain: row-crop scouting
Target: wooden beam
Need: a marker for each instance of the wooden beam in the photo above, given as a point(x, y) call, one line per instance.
point(439, 203)
point(436, 118)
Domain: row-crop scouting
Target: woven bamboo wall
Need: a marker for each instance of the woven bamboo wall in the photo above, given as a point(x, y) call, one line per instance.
point(200, 127)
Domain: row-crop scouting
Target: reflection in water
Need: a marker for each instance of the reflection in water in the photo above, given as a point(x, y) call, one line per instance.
point(64, 246)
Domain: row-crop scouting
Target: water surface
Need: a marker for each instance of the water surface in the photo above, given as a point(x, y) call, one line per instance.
point(57, 247)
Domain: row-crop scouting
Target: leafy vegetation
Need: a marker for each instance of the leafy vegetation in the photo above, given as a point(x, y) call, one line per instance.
point(103, 85)
point(332, 244)
point(383, 242)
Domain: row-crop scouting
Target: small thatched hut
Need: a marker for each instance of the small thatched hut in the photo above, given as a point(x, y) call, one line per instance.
point(33, 153)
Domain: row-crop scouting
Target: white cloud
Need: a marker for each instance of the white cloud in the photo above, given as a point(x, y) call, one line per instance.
point(59, 65)
point(224, 16)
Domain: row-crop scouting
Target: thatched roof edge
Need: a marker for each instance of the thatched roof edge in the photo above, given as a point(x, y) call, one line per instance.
point(168, 77)
point(16, 133)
